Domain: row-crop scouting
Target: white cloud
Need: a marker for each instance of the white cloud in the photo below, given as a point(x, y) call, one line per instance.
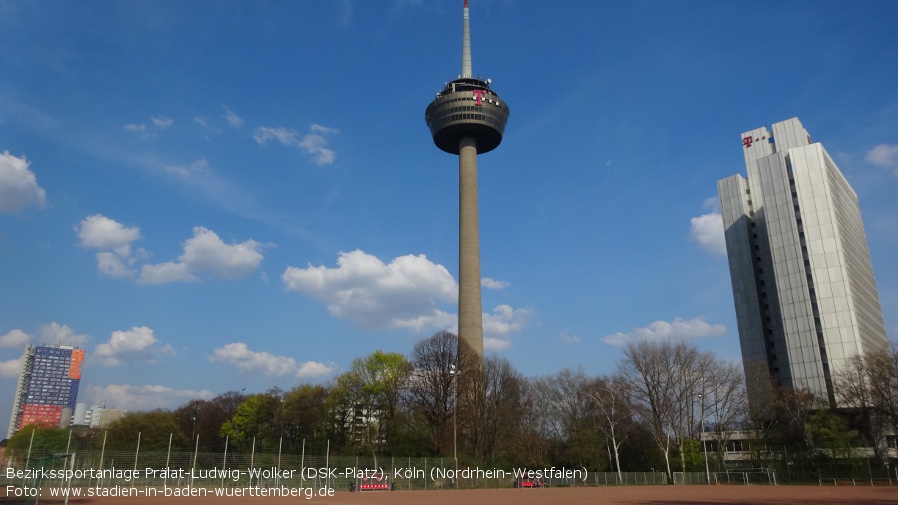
point(206, 252)
point(135, 128)
point(712, 203)
point(406, 293)
point(401, 294)
point(241, 357)
point(144, 131)
point(663, 330)
point(490, 283)
point(136, 344)
point(18, 185)
point(495, 344)
point(498, 326)
point(884, 155)
point(569, 339)
point(11, 368)
point(163, 273)
point(101, 232)
point(161, 122)
point(504, 321)
point(312, 369)
point(147, 397)
point(56, 333)
point(15, 339)
point(115, 265)
point(707, 231)
point(53, 333)
point(200, 166)
point(323, 129)
point(312, 143)
point(231, 117)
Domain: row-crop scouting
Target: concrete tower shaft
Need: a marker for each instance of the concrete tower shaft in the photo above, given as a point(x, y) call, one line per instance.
point(468, 118)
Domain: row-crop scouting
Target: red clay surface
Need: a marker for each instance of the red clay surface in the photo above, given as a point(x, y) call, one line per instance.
point(636, 495)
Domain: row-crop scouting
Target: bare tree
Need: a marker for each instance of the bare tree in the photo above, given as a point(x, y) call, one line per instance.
point(489, 404)
point(647, 382)
point(760, 391)
point(204, 418)
point(727, 402)
point(794, 408)
point(564, 405)
point(662, 381)
point(868, 384)
point(531, 445)
point(430, 394)
point(612, 414)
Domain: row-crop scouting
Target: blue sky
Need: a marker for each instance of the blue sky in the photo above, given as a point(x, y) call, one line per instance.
point(210, 196)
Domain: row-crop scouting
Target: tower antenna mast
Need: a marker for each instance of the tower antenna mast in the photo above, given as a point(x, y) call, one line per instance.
point(466, 45)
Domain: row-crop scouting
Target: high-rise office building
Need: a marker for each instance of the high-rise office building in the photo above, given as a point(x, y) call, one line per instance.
point(467, 118)
point(48, 387)
point(803, 284)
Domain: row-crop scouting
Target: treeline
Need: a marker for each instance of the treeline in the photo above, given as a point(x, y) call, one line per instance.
point(649, 414)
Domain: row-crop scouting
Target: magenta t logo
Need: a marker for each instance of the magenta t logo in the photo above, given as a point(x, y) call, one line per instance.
point(478, 95)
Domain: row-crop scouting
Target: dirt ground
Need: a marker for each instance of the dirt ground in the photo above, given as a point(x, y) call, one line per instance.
point(636, 495)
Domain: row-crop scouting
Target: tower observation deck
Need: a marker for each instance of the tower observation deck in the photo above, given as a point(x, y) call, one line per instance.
point(467, 107)
point(467, 118)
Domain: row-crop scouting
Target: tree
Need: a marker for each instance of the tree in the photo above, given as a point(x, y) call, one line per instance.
point(365, 400)
point(304, 417)
point(726, 403)
point(612, 416)
point(204, 418)
point(831, 431)
point(156, 429)
point(340, 406)
point(868, 384)
point(564, 401)
point(46, 441)
point(489, 406)
point(531, 446)
point(793, 408)
point(258, 420)
point(662, 381)
point(430, 394)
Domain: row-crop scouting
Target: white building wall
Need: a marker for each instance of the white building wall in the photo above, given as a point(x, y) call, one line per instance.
point(809, 258)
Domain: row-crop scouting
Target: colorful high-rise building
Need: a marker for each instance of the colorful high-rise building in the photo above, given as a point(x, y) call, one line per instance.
point(48, 386)
point(803, 285)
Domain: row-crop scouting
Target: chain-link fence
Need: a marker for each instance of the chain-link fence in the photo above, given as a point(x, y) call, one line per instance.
point(236, 469)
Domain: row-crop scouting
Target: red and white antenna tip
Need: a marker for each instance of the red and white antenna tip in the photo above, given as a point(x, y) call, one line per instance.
point(466, 4)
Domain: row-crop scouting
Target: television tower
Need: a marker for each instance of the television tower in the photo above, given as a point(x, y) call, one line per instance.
point(467, 118)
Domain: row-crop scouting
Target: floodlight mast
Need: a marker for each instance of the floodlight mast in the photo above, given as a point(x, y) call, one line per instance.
point(467, 118)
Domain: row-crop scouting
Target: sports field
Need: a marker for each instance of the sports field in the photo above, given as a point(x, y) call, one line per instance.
point(635, 495)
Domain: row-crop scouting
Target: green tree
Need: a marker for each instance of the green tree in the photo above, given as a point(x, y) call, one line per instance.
point(259, 420)
point(305, 414)
point(155, 429)
point(46, 441)
point(830, 431)
point(376, 383)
